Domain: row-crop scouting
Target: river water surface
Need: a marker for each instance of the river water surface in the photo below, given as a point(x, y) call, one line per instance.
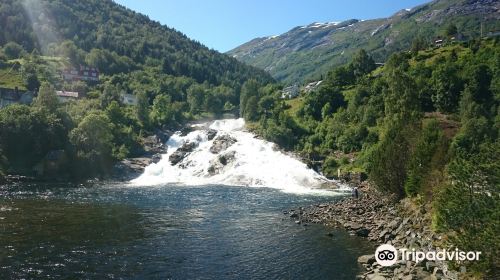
point(180, 221)
point(167, 231)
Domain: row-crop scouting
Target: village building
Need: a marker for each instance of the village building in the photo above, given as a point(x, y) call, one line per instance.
point(66, 96)
point(83, 73)
point(290, 92)
point(438, 43)
point(312, 86)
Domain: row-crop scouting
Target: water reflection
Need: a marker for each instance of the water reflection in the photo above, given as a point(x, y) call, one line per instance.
point(49, 235)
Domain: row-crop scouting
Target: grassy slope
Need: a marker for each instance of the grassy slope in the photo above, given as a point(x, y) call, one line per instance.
point(11, 73)
point(11, 78)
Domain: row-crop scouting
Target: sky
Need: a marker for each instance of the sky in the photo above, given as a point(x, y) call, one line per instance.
point(225, 24)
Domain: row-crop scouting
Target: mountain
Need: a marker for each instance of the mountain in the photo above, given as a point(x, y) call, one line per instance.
point(115, 39)
point(308, 51)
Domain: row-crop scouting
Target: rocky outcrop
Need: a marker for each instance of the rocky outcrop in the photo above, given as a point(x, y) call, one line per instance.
point(153, 145)
point(217, 164)
point(221, 143)
point(181, 152)
point(211, 133)
point(383, 221)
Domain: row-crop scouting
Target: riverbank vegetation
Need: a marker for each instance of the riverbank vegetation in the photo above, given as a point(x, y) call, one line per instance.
point(424, 126)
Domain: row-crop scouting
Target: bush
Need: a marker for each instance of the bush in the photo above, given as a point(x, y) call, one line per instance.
point(388, 161)
point(13, 50)
point(27, 134)
point(92, 142)
point(468, 206)
point(420, 162)
point(330, 166)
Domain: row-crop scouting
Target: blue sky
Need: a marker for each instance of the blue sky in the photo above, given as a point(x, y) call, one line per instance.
point(226, 24)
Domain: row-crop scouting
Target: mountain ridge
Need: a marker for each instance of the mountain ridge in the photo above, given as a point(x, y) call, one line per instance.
point(311, 50)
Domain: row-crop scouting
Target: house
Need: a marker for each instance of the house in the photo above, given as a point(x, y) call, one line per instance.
point(312, 86)
point(11, 96)
point(128, 99)
point(66, 96)
point(83, 73)
point(290, 92)
point(438, 43)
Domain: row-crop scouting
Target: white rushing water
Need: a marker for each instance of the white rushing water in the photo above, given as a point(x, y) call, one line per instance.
point(256, 163)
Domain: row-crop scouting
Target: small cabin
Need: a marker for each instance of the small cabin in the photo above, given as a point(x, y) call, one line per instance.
point(82, 73)
point(66, 96)
point(438, 43)
point(52, 164)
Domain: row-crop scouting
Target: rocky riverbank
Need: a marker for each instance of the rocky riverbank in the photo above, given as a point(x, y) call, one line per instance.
point(154, 146)
point(383, 221)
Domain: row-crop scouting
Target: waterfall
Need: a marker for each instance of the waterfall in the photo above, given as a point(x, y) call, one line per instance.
point(223, 152)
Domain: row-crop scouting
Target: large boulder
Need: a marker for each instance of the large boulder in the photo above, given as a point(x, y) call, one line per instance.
point(181, 152)
point(221, 143)
point(363, 232)
point(217, 164)
point(211, 133)
point(130, 168)
point(366, 259)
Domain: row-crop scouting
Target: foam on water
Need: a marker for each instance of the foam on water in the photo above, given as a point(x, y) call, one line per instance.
point(257, 164)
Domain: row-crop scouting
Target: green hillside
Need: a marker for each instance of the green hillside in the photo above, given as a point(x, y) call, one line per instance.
point(173, 78)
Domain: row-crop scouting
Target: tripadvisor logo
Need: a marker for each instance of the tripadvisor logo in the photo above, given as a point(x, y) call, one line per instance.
point(387, 255)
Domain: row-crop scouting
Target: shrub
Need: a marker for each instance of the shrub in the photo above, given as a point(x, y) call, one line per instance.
point(388, 161)
point(330, 166)
point(420, 162)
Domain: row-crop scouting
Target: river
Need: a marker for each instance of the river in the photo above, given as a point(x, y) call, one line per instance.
point(225, 226)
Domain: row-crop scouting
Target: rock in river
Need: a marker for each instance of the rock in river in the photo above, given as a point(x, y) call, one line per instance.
point(182, 152)
point(221, 143)
point(217, 164)
point(211, 133)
